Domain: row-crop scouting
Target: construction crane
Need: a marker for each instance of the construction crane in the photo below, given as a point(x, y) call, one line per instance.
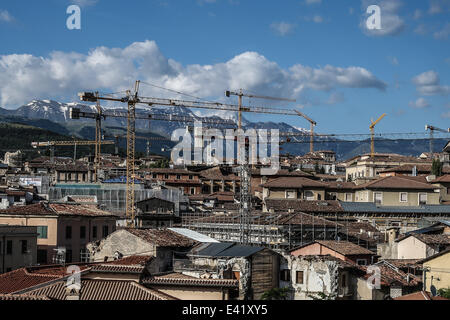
point(53, 144)
point(311, 132)
point(245, 171)
point(432, 129)
point(372, 134)
point(133, 99)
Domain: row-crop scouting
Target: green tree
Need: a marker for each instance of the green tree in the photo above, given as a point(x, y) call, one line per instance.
point(445, 293)
point(436, 168)
point(276, 294)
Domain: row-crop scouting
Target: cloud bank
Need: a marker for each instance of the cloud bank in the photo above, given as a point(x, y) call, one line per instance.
point(62, 74)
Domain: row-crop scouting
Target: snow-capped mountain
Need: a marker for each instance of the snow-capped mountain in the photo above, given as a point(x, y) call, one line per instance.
point(60, 113)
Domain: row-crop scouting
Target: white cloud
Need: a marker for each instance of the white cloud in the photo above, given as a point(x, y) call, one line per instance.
point(5, 16)
point(391, 22)
point(393, 61)
point(61, 75)
point(443, 33)
point(417, 14)
point(84, 3)
point(282, 28)
point(439, 6)
point(421, 29)
point(419, 103)
point(317, 19)
point(310, 2)
point(428, 83)
point(335, 98)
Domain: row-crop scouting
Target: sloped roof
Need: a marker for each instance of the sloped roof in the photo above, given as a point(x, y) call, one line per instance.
point(162, 238)
point(303, 205)
point(372, 207)
point(20, 279)
point(103, 290)
point(420, 295)
point(430, 239)
point(345, 248)
point(56, 209)
point(444, 178)
point(21, 297)
point(293, 182)
point(194, 235)
point(180, 279)
point(397, 182)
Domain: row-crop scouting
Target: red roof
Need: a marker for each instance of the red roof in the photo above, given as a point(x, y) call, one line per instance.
point(397, 182)
point(293, 182)
point(56, 209)
point(20, 279)
point(185, 280)
point(421, 295)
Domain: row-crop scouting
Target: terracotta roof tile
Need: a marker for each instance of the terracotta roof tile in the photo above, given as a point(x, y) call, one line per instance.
point(185, 280)
point(21, 279)
point(163, 238)
point(345, 248)
point(397, 182)
point(56, 209)
point(21, 297)
point(421, 295)
point(293, 182)
point(303, 205)
point(103, 290)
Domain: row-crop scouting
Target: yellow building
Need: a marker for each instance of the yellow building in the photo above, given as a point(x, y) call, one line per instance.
point(436, 273)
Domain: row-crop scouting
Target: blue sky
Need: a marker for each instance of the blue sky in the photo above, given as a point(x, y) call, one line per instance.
point(318, 52)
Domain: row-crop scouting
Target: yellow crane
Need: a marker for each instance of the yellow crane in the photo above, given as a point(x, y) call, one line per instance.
point(372, 134)
point(311, 132)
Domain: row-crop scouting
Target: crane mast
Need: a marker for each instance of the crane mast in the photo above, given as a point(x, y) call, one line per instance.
point(372, 134)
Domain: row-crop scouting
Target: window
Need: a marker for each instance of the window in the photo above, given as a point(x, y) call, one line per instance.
point(361, 262)
point(348, 197)
point(82, 232)
point(403, 196)
point(290, 194)
point(192, 190)
point(42, 256)
point(94, 231)
point(448, 190)
point(422, 198)
point(42, 232)
point(343, 280)
point(191, 177)
point(9, 247)
point(166, 176)
point(299, 277)
point(24, 246)
point(105, 231)
point(178, 177)
point(68, 232)
point(285, 275)
point(154, 176)
point(378, 197)
point(68, 255)
point(309, 195)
